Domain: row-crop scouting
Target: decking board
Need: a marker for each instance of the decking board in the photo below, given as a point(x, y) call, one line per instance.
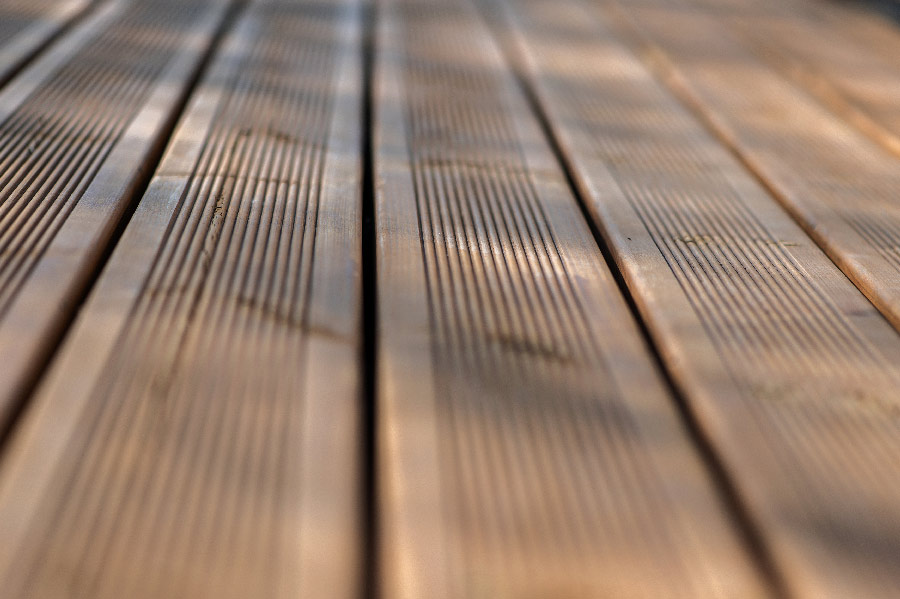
point(857, 79)
point(527, 445)
point(710, 409)
point(837, 182)
point(27, 25)
point(789, 370)
point(198, 434)
point(77, 129)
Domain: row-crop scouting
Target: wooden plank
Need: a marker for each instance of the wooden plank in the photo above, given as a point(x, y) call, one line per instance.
point(791, 373)
point(27, 25)
point(76, 131)
point(852, 76)
point(527, 445)
point(837, 182)
point(198, 434)
point(871, 23)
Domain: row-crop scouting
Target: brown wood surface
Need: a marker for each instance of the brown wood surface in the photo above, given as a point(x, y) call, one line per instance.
point(619, 326)
point(837, 182)
point(527, 445)
point(856, 79)
point(198, 434)
point(792, 373)
point(76, 131)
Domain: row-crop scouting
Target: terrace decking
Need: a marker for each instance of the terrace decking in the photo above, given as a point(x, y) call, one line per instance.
point(449, 298)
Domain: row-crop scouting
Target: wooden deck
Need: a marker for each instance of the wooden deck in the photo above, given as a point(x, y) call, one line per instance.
point(449, 299)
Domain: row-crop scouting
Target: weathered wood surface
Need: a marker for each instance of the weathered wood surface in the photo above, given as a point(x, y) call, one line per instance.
point(202, 428)
point(77, 129)
point(792, 374)
point(198, 434)
point(528, 448)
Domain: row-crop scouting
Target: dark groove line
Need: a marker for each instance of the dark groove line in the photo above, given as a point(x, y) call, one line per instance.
point(369, 412)
point(723, 483)
point(56, 337)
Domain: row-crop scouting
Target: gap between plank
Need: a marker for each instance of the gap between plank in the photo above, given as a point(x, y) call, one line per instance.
point(369, 442)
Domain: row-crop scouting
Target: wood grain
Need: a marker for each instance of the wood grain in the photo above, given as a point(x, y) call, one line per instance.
point(198, 434)
point(76, 131)
point(527, 445)
point(791, 373)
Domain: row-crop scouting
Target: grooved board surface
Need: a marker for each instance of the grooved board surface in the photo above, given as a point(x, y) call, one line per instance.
point(527, 445)
point(825, 58)
point(837, 182)
point(507, 299)
point(792, 373)
point(76, 129)
point(845, 189)
point(18, 15)
point(198, 434)
point(25, 25)
point(852, 79)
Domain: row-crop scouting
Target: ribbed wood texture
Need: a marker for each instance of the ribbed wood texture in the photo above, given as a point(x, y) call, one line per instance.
point(26, 25)
point(835, 180)
point(451, 299)
point(791, 372)
point(209, 446)
point(528, 448)
point(76, 130)
point(833, 162)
